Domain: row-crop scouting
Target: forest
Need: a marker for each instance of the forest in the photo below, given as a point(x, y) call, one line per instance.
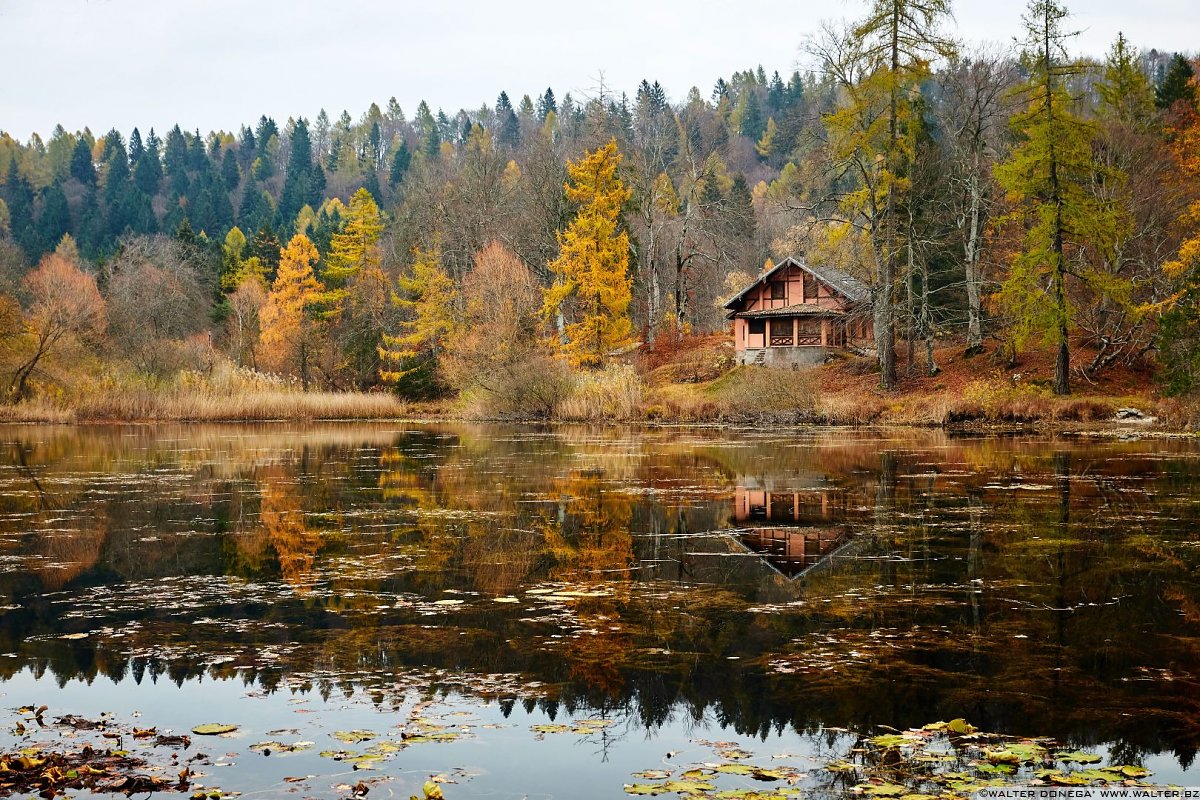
point(534, 253)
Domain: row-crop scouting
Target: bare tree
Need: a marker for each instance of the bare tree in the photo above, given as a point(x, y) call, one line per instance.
point(974, 108)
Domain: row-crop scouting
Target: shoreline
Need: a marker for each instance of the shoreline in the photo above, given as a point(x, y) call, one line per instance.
point(1109, 429)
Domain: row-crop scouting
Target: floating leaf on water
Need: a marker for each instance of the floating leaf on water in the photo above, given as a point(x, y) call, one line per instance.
point(882, 789)
point(1097, 775)
point(350, 737)
point(1078, 757)
point(1128, 771)
point(506, 600)
point(891, 740)
point(214, 729)
point(448, 602)
point(960, 726)
point(1002, 757)
point(997, 769)
point(734, 753)
point(74, 636)
point(840, 766)
point(688, 787)
point(653, 774)
point(644, 788)
point(1065, 779)
point(736, 769)
point(549, 728)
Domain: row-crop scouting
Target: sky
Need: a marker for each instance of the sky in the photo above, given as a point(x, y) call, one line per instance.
point(218, 64)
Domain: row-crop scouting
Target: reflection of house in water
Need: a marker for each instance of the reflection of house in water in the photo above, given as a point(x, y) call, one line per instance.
point(793, 529)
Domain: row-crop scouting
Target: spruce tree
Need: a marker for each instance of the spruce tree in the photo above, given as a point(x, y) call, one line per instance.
point(1176, 83)
point(82, 168)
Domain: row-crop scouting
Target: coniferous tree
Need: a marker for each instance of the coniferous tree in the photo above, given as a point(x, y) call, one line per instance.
point(82, 168)
point(1049, 175)
point(508, 127)
point(148, 170)
point(401, 160)
point(546, 104)
point(54, 221)
point(592, 287)
point(1176, 83)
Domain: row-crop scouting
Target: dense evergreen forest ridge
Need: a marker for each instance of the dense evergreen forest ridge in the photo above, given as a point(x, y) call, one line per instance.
point(998, 200)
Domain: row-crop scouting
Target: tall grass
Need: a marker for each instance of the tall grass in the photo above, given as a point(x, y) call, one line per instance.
point(225, 394)
point(614, 393)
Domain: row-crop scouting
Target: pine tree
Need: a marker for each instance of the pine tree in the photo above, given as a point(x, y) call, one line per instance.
point(591, 273)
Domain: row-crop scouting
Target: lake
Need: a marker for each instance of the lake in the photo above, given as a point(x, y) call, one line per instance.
point(564, 612)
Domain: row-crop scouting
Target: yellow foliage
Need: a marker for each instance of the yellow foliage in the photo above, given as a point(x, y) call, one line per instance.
point(431, 300)
point(289, 327)
point(592, 287)
point(356, 245)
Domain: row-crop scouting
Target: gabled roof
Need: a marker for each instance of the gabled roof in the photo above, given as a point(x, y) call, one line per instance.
point(842, 282)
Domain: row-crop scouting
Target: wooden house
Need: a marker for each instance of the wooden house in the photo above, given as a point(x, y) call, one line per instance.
point(795, 314)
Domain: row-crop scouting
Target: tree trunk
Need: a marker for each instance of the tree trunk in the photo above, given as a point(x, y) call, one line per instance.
point(974, 279)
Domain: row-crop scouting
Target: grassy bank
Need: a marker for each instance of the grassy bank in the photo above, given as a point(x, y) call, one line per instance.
point(223, 396)
point(687, 381)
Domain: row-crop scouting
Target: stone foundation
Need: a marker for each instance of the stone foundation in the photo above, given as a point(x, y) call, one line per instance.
point(784, 357)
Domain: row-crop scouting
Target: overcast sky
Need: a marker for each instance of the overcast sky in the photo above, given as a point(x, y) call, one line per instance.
point(216, 64)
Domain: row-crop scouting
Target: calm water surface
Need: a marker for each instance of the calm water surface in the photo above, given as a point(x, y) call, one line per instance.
point(544, 612)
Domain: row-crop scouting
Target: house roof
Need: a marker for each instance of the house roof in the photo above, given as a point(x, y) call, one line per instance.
point(843, 282)
point(797, 310)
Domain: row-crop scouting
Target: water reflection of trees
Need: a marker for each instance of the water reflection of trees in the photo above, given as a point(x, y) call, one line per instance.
point(992, 564)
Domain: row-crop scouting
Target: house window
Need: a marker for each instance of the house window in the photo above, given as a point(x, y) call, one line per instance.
point(778, 290)
point(758, 327)
point(781, 333)
point(810, 288)
point(809, 332)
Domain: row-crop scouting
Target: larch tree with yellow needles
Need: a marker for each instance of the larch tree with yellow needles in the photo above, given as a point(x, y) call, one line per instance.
point(591, 285)
point(290, 325)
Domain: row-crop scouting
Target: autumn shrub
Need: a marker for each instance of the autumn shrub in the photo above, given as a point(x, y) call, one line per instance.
point(529, 388)
point(1085, 409)
point(1180, 413)
point(761, 394)
point(613, 393)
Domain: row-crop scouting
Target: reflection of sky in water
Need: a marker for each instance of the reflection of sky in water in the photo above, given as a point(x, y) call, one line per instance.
point(758, 582)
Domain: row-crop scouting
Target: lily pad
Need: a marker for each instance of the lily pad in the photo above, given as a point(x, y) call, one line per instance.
point(351, 737)
point(214, 729)
point(890, 740)
point(1078, 757)
point(882, 789)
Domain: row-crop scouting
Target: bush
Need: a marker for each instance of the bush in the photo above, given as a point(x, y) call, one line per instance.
point(531, 388)
point(761, 394)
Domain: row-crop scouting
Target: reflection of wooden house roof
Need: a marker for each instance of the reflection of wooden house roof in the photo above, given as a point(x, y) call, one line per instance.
point(829, 541)
point(843, 283)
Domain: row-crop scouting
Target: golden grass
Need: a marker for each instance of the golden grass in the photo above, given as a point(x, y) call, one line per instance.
point(148, 406)
point(224, 395)
point(614, 393)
